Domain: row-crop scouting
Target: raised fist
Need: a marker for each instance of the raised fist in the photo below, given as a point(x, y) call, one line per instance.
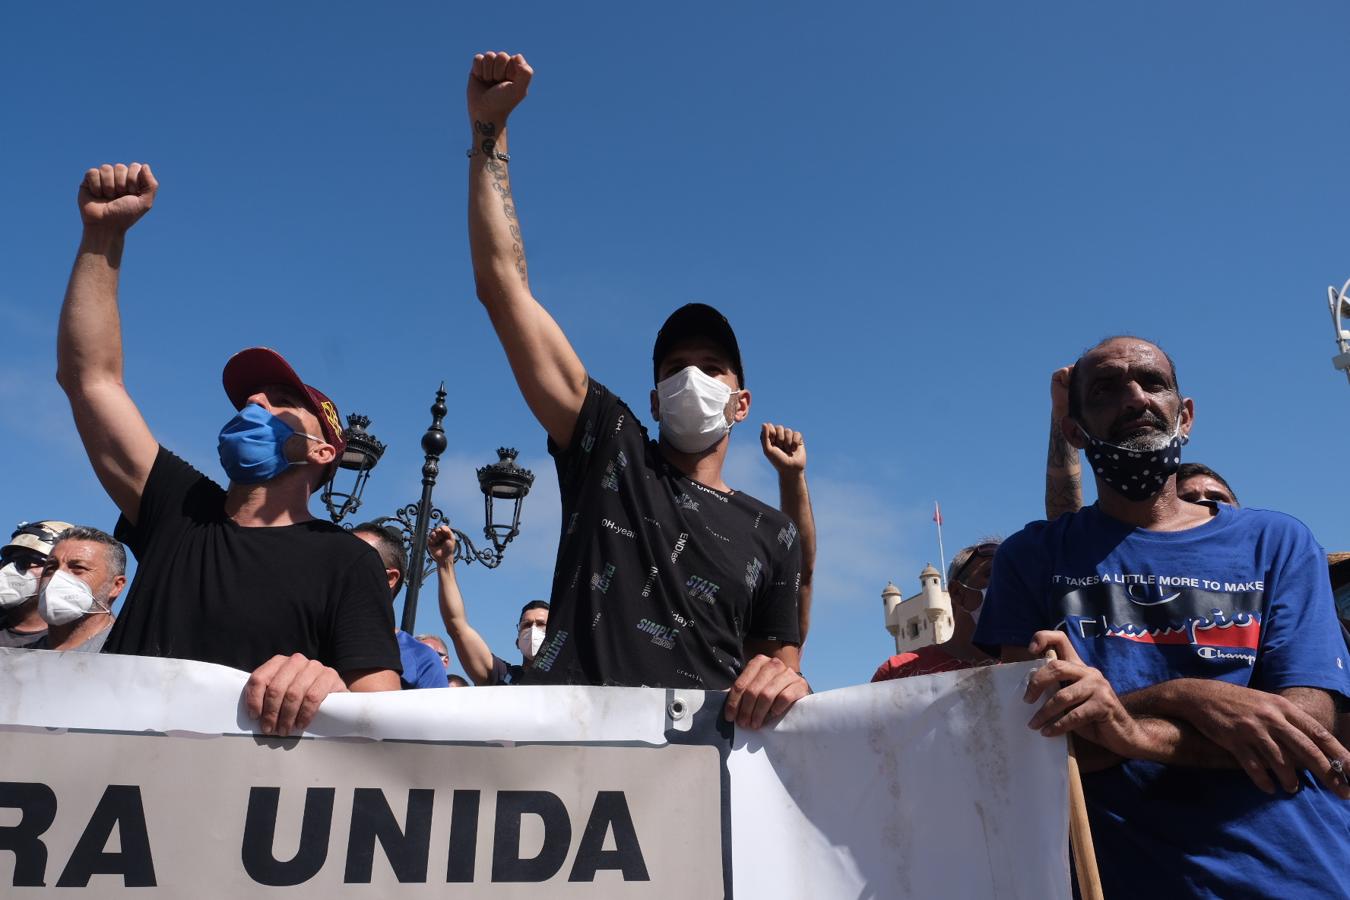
point(441, 545)
point(1059, 393)
point(117, 196)
point(784, 448)
point(497, 84)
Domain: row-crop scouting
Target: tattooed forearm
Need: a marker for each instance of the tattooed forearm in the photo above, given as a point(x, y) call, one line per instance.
point(488, 145)
point(501, 183)
point(1063, 476)
point(1063, 493)
point(1061, 454)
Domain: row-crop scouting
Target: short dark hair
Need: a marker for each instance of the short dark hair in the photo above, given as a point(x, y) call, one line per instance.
point(533, 604)
point(117, 554)
point(964, 555)
point(1076, 402)
point(1200, 470)
point(389, 544)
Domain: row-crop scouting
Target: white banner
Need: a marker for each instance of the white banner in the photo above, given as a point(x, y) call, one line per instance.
point(133, 776)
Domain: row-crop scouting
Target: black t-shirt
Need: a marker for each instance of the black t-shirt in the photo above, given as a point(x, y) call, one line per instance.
point(211, 590)
point(504, 673)
point(659, 580)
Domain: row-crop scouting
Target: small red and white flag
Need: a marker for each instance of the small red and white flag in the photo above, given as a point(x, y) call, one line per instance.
point(937, 513)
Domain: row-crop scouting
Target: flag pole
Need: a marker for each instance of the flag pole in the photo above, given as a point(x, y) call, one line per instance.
point(942, 553)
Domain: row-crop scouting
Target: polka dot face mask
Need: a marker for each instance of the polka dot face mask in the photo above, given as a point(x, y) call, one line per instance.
point(1134, 474)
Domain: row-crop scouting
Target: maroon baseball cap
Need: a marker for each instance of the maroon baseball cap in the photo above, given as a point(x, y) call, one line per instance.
point(250, 370)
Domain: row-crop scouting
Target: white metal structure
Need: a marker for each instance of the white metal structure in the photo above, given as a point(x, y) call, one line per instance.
point(1339, 303)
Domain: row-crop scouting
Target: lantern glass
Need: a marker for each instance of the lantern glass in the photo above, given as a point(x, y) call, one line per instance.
point(363, 451)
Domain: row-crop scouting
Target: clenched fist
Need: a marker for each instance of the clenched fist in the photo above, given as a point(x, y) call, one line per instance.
point(497, 84)
point(441, 544)
point(783, 447)
point(115, 197)
point(1059, 393)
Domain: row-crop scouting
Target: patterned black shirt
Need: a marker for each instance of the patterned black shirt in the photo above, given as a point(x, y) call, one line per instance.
point(660, 580)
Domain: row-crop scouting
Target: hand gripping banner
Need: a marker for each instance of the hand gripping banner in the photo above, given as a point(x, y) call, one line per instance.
point(126, 776)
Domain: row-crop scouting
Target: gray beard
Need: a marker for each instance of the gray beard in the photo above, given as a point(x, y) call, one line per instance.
point(1148, 442)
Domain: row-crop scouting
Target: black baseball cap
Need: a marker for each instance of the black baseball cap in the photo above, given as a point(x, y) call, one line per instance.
point(702, 321)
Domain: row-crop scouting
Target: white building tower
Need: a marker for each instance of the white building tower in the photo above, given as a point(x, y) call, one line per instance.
point(920, 620)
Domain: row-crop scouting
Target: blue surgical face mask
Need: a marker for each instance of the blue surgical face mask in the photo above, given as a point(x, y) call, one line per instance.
point(253, 446)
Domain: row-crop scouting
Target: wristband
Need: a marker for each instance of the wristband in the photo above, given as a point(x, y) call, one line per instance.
point(488, 150)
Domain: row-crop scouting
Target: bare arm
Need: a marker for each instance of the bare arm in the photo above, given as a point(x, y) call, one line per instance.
point(1191, 722)
point(473, 652)
point(786, 450)
point(1063, 469)
point(768, 686)
point(365, 680)
point(551, 377)
point(1081, 703)
point(1182, 696)
point(1259, 731)
point(89, 336)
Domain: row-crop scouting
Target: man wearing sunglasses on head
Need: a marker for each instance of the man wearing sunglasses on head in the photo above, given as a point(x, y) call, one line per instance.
point(244, 577)
point(21, 563)
point(967, 579)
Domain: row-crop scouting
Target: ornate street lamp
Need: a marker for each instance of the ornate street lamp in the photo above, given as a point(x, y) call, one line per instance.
point(503, 480)
point(362, 453)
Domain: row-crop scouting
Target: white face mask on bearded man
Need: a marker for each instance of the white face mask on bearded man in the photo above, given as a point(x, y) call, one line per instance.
point(67, 598)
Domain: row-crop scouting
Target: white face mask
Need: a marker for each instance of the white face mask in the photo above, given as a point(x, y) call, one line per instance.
point(531, 640)
point(65, 599)
point(975, 613)
point(693, 410)
point(17, 587)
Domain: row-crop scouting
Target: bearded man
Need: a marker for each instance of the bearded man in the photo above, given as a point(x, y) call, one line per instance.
point(1199, 667)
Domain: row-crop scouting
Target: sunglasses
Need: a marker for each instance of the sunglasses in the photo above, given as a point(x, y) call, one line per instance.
point(983, 551)
point(23, 559)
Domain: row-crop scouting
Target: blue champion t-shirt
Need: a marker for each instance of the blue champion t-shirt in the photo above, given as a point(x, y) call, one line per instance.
point(1244, 598)
point(422, 666)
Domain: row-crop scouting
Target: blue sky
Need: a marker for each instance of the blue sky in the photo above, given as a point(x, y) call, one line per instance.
point(912, 213)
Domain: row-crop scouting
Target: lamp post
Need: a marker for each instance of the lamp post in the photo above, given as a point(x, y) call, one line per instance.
point(502, 480)
point(1339, 301)
point(362, 453)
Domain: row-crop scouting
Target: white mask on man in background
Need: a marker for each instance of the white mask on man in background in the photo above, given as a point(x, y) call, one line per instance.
point(17, 586)
point(530, 640)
